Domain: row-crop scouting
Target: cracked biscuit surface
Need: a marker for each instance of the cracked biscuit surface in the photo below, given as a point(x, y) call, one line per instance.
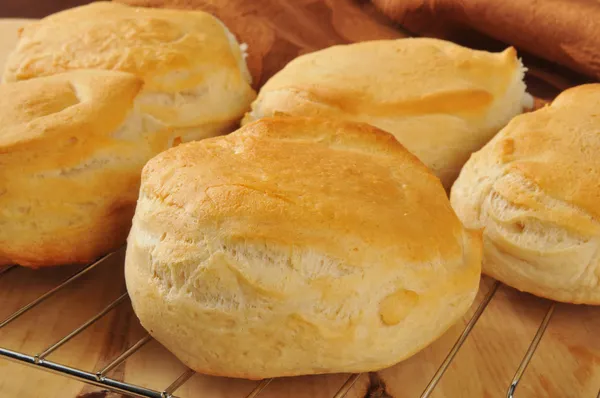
point(535, 192)
point(193, 69)
point(68, 179)
point(91, 94)
point(297, 246)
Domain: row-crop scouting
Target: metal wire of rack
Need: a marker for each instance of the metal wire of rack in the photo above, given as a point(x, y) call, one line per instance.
point(100, 379)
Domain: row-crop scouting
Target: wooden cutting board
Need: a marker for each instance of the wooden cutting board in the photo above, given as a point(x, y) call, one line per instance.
point(567, 363)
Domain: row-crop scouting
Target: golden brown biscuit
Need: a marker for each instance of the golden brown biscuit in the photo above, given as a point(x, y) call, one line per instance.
point(535, 191)
point(440, 100)
point(193, 68)
point(297, 246)
point(72, 147)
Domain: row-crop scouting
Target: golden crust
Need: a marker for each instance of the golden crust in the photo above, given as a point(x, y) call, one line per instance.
point(42, 114)
point(269, 144)
point(440, 100)
point(55, 210)
point(534, 189)
point(192, 67)
point(147, 42)
point(293, 245)
point(76, 129)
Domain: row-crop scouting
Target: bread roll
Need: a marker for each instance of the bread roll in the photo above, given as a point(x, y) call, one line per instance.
point(297, 246)
point(194, 71)
point(72, 147)
point(535, 191)
point(440, 100)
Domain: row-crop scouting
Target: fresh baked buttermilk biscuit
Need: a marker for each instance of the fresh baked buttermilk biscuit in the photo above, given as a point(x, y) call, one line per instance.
point(297, 246)
point(535, 192)
point(194, 71)
point(72, 147)
point(440, 100)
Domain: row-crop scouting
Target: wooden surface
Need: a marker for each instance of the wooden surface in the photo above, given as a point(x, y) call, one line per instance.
point(567, 363)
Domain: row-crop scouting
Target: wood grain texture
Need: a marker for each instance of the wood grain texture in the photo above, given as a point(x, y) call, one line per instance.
point(567, 363)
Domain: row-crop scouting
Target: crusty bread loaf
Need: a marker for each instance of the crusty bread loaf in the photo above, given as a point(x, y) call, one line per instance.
point(193, 68)
point(535, 191)
point(440, 100)
point(297, 246)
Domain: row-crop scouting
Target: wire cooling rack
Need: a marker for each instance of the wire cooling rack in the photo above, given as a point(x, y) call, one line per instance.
point(100, 379)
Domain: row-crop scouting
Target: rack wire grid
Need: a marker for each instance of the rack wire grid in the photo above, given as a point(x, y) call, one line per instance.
point(100, 379)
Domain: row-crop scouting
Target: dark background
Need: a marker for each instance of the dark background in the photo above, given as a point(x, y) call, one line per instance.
point(36, 8)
